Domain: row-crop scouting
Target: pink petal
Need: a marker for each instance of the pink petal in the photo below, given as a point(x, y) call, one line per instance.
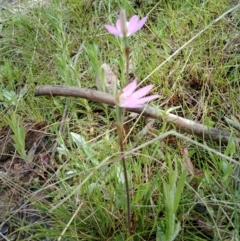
point(146, 99)
point(142, 92)
point(127, 101)
point(130, 105)
point(133, 20)
point(138, 26)
point(118, 26)
point(132, 23)
point(130, 101)
point(128, 90)
point(112, 30)
point(137, 103)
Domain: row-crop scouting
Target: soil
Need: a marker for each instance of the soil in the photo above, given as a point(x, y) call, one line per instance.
point(19, 176)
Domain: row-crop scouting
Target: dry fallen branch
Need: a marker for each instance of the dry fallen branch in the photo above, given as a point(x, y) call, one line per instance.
point(192, 127)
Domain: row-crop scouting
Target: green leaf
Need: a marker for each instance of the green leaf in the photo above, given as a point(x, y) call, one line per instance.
point(81, 143)
point(179, 189)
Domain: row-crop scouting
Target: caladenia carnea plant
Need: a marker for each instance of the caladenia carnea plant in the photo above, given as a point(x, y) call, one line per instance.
point(128, 97)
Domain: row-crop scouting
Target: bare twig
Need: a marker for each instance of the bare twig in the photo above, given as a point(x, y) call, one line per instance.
point(192, 127)
point(232, 122)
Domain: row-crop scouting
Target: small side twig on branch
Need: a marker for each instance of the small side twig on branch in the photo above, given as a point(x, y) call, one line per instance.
point(192, 127)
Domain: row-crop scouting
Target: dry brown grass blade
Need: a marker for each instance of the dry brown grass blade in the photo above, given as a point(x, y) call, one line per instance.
point(192, 127)
point(187, 162)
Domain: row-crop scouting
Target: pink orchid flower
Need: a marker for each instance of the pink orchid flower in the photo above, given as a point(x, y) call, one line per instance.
point(124, 28)
point(130, 99)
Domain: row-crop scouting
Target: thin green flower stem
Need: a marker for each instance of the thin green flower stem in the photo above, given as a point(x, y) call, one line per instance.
point(120, 114)
point(126, 183)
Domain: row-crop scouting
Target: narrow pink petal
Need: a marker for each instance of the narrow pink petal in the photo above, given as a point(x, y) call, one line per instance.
point(130, 105)
point(132, 23)
point(130, 101)
point(136, 103)
point(142, 92)
point(146, 99)
point(118, 26)
point(128, 90)
point(112, 30)
point(137, 26)
point(133, 20)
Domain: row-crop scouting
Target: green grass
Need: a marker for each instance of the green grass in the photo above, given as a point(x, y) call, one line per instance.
point(79, 194)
